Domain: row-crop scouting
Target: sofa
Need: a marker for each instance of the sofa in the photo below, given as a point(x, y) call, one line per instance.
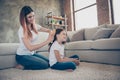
point(99, 56)
point(99, 44)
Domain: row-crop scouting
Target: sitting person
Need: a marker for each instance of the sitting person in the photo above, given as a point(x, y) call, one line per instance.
point(57, 60)
point(26, 55)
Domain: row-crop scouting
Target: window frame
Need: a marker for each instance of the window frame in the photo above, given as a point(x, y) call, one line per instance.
point(112, 12)
point(74, 11)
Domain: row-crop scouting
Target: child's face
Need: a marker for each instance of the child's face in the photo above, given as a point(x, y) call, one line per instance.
point(62, 36)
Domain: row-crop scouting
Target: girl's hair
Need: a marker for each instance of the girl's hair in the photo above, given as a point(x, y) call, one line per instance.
point(23, 21)
point(58, 31)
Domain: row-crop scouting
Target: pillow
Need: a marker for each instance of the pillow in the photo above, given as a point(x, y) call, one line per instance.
point(68, 39)
point(102, 33)
point(116, 33)
point(78, 36)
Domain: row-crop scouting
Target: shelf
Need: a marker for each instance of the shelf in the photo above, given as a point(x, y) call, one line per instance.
point(55, 17)
point(56, 25)
point(56, 21)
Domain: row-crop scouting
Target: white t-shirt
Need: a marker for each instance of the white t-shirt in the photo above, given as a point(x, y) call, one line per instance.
point(22, 50)
point(52, 57)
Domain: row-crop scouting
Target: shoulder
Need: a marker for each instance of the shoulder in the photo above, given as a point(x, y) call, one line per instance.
point(56, 45)
point(20, 29)
point(38, 26)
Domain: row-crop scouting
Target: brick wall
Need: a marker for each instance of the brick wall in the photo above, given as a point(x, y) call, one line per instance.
point(9, 15)
point(103, 12)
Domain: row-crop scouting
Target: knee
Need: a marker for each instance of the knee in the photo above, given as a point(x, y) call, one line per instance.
point(45, 66)
point(72, 65)
point(39, 66)
point(76, 56)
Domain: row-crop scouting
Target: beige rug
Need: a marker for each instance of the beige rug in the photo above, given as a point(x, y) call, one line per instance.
point(86, 71)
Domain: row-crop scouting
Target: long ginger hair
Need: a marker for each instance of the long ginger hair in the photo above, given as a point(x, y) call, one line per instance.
point(23, 21)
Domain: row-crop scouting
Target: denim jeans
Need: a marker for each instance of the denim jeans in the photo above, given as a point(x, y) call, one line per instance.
point(65, 65)
point(34, 62)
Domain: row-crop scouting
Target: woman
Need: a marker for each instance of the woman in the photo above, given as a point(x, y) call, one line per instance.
point(57, 60)
point(28, 34)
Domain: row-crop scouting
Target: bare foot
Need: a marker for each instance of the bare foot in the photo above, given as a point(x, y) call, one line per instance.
point(18, 66)
point(78, 64)
point(69, 70)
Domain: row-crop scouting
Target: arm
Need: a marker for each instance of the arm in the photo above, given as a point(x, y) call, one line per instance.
point(33, 47)
point(42, 29)
point(59, 59)
point(75, 60)
point(51, 32)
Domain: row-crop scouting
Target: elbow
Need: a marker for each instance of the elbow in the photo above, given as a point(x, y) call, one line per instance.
point(59, 60)
point(30, 49)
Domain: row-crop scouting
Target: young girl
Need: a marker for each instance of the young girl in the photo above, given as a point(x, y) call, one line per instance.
point(57, 60)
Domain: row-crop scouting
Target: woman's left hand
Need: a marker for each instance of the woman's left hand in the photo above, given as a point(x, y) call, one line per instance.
point(52, 32)
point(51, 36)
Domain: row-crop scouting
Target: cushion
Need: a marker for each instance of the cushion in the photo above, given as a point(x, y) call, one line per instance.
point(114, 26)
point(69, 35)
point(8, 48)
point(109, 44)
point(103, 26)
point(78, 36)
point(89, 32)
point(116, 33)
point(7, 55)
point(7, 61)
point(79, 45)
point(102, 33)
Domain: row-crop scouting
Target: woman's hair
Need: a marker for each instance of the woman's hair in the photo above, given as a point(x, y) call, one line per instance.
point(23, 21)
point(58, 31)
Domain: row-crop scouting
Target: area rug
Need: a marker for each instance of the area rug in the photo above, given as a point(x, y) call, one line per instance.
point(86, 71)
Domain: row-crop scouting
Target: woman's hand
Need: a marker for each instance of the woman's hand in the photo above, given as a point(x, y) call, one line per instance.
point(52, 32)
point(51, 36)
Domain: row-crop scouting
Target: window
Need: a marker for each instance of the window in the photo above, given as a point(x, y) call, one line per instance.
point(116, 6)
point(82, 3)
point(85, 14)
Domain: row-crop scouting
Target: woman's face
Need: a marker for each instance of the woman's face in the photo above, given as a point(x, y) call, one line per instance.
point(62, 36)
point(30, 18)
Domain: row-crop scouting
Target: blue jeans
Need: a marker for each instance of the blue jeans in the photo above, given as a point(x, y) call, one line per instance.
point(34, 62)
point(65, 65)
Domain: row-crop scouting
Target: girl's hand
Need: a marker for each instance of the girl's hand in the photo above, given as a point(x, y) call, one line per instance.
point(77, 62)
